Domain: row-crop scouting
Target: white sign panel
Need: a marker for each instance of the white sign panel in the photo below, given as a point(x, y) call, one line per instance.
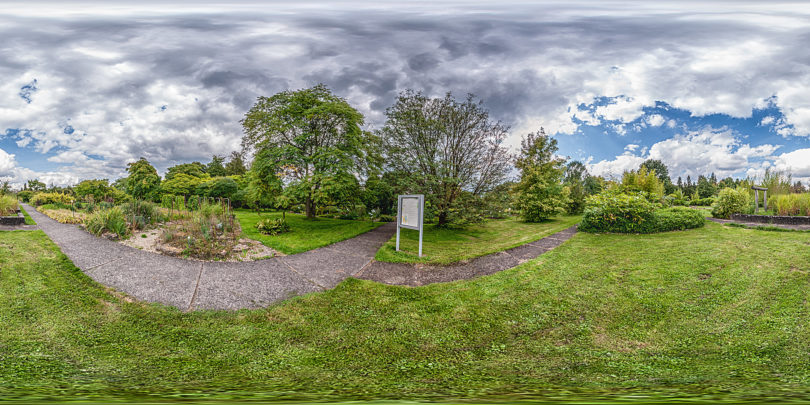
point(410, 209)
point(410, 212)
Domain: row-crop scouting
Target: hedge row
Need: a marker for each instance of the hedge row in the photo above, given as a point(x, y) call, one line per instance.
point(616, 212)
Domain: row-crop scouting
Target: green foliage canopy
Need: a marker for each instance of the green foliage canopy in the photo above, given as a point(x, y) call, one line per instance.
point(540, 193)
point(143, 181)
point(310, 139)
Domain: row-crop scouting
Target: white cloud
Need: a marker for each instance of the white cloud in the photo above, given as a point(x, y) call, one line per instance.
point(7, 163)
point(655, 120)
point(796, 162)
point(698, 152)
point(631, 147)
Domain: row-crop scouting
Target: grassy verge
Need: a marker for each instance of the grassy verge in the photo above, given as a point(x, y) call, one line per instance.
point(715, 313)
point(306, 234)
point(28, 219)
point(445, 246)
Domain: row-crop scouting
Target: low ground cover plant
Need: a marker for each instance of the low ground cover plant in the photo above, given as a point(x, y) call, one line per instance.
point(8, 205)
point(615, 211)
point(64, 216)
point(731, 201)
point(273, 226)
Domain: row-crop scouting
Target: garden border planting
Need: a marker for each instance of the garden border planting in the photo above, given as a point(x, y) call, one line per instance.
point(192, 285)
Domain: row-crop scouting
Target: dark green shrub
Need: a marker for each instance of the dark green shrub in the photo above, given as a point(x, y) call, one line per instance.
point(271, 226)
point(613, 211)
point(703, 202)
point(25, 195)
point(731, 201)
point(678, 219)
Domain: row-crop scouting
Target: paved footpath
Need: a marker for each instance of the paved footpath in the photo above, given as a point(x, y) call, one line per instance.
point(191, 285)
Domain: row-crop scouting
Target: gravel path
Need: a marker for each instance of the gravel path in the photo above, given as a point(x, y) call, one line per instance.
point(191, 285)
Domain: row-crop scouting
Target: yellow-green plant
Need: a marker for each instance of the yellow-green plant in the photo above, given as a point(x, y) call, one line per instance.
point(792, 204)
point(52, 198)
point(8, 205)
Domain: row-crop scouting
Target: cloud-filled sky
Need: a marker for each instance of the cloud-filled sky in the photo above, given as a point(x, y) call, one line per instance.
point(704, 86)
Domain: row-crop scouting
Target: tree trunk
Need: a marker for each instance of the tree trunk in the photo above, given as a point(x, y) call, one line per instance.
point(442, 219)
point(310, 208)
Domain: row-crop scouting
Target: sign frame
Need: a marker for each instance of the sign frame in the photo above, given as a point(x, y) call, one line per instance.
point(420, 212)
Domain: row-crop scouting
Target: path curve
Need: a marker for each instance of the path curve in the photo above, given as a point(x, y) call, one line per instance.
point(192, 285)
point(755, 225)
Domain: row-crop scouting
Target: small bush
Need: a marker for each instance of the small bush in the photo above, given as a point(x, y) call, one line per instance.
point(731, 201)
point(387, 218)
point(613, 211)
point(64, 216)
point(107, 220)
point(52, 198)
point(703, 202)
point(678, 219)
point(270, 226)
point(25, 195)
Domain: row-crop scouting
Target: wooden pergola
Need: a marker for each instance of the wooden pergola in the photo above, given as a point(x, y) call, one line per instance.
point(756, 198)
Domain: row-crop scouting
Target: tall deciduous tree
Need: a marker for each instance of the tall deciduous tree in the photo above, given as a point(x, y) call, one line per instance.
point(235, 166)
point(661, 171)
point(215, 167)
point(312, 137)
point(98, 190)
point(540, 193)
point(445, 147)
point(143, 181)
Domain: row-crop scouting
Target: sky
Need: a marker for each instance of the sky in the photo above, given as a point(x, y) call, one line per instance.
point(704, 86)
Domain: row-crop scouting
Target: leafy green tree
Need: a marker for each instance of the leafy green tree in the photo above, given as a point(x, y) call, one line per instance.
point(643, 180)
point(705, 188)
point(193, 169)
point(264, 182)
point(98, 190)
point(540, 193)
point(444, 147)
point(236, 166)
point(182, 184)
point(218, 187)
point(661, 171)
point(379, 195)
point(311, 137)
point(575, 175)
point(35, 185)
point(143, 181)
point(215, 167)
point(5, 188)
point(594, 184)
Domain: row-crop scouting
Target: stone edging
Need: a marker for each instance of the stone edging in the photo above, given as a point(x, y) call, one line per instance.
point(17, 220)
point(771, 219)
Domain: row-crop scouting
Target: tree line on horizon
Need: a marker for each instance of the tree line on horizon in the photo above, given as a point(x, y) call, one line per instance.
point(310, 154)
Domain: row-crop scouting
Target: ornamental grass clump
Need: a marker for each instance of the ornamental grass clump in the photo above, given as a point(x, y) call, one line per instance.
point(792, 204)
point(8, 205)
point(105, 221)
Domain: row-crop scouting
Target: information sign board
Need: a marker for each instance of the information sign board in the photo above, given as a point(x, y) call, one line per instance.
point(410, 215)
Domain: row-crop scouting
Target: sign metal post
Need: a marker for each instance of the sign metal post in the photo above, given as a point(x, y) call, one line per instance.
point(410, 215)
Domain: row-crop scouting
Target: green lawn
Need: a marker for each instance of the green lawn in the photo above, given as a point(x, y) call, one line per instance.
point(445, 246)
point(717, 312)
point(28, 219)
point(306, 234)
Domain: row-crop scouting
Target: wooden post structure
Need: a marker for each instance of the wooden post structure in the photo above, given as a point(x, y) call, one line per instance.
point(756, 197)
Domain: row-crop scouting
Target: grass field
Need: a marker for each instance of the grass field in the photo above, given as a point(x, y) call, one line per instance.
point(445, 246)
point(717, 312)
point(306, 234)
